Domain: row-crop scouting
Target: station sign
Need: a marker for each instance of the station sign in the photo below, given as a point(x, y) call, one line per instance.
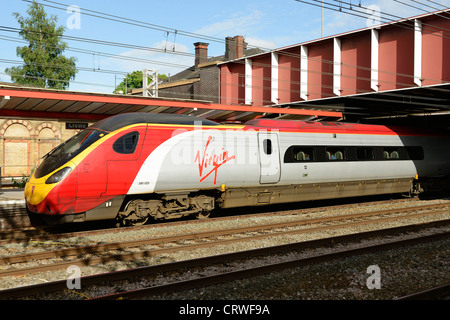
point(76, 125)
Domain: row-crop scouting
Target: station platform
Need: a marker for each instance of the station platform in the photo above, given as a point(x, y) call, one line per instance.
point(11, 197)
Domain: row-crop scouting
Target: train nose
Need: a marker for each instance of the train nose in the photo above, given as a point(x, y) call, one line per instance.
point(35, 191)
point(54, 193)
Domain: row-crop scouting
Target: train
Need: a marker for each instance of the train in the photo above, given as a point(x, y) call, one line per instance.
point(133, 167)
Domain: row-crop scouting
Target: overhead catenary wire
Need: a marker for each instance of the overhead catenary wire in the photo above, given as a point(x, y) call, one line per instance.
point(63, 67)
point(353, 10)
point(116, 18)
point(134, 22)
point(181, 66)
point(146, 48)
point(208, 97)
point(105, 54)
point(268, 79)
point(312, 90)
point(106, 43)
point(177, 31)
point(211, 96)
point(265, 78)
point(294, 82)
point(366, 15)
point(426, 5)
point(59, 80)
point(439, 4)
point(421, 9)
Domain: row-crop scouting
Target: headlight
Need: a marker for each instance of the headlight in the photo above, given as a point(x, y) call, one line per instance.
point(58, 175)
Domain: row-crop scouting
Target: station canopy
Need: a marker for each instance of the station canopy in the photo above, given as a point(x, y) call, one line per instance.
point(26, 102)
point(427, 100)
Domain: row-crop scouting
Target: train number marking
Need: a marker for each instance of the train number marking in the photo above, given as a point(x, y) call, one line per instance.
point(207, 160)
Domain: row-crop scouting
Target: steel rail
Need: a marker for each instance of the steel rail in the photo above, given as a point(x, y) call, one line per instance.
point(99, 248)
point(39, 235)
point(154, 252)
point(97, 279)
point(267, 268)
point(14, 236)
point(432, 293)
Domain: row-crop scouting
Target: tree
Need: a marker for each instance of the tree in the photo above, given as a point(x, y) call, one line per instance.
point(134, 80)
point(45, 65)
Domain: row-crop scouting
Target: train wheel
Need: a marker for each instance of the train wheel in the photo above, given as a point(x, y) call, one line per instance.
point(136, 214)
point(131, 221)
point(136, 222)
point(203, 214)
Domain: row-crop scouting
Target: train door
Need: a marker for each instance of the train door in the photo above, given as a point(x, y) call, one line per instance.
point(269, 157)
point(124, 160)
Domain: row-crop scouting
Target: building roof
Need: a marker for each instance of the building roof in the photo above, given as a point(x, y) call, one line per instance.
point(193, 72)
point(28, 102)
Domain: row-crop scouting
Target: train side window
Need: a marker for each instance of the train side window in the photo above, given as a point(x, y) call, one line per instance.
point(415, 153)
point(337, 153)
point(391, 153)
point(303, 154)
point(126, 144)
point(267, 143)
point(365, 153)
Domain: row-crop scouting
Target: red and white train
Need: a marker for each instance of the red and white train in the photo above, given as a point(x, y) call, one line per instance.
point(132, 167)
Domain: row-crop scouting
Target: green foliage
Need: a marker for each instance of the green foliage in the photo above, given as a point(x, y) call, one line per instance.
point(45, 66)
point(134, 80)
point(20, 183)
point(23, 181)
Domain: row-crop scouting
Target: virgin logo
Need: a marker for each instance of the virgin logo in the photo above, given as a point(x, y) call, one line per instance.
point(209, 163)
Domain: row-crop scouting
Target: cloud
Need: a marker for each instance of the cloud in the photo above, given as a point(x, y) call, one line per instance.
point(246, 23)
point(239, 23)
point(406, 9)
point(338, 22)
point(261, 43)
point(165, 62)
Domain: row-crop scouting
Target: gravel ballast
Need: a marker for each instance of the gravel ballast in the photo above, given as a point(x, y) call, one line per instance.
point(401, 270)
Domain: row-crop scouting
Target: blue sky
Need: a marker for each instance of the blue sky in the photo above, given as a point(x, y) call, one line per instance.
point(265, 23)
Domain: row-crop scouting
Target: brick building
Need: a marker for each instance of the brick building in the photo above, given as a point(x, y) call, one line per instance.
point(201, 81)
point(24, 142)
point(398, 59)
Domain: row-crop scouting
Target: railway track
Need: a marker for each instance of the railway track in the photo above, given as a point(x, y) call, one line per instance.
point(158, 246)
point(222, 277)
point(224, 274)
point(206, 239)
point(438, 292)
point(27, 234)
point(14, 219)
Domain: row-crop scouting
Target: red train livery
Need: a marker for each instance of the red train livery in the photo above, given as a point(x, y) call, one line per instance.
point(136, 166)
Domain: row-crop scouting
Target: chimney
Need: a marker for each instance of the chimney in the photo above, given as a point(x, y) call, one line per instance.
point(235, 47)
point(230, 48)
point(241, 46)
point(201, 53)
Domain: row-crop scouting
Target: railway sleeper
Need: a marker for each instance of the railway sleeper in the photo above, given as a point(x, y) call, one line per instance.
point(169, 206)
